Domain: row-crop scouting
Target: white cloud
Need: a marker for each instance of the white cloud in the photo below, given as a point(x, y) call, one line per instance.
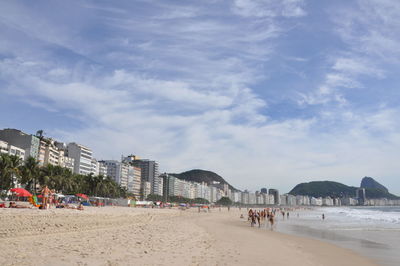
point(269, 8)
point(372, 28)
point(183, 94)
point(371, 33)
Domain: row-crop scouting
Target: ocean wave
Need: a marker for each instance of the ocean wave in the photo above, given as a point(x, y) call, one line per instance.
point(381, 215)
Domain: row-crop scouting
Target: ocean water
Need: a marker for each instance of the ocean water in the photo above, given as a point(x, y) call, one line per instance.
point(370, 231)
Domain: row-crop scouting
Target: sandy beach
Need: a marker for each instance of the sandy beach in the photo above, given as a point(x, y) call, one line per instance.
point(135, 236)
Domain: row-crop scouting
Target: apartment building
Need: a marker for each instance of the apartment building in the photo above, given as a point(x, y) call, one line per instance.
point(121, 172)
point(82, 158)
point(11, 150)
point(149, 172)
point(17, 138)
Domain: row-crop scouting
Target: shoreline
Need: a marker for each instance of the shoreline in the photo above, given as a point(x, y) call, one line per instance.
point(128, 236)
point(279, 248)
point(371, 234)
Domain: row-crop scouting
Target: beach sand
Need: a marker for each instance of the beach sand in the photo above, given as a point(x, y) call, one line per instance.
point(135, 236)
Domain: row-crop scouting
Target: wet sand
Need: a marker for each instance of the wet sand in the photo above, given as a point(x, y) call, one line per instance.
point(374, 239)
point(129, 236)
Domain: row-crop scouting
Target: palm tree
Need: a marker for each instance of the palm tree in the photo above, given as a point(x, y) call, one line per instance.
point(5, 176)
point(66, 182)
point(56, 177)
point(30, 173)
point(10, 171)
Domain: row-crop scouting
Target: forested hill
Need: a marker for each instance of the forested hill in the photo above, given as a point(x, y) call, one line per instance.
point(198, 175)
point(335, 189)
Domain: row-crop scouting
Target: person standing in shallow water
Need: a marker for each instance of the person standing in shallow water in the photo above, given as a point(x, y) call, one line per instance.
point(323, 216)
point(271, 220)
point(258, 216)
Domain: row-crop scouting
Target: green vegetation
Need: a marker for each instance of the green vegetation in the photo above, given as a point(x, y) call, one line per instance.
point(62, 180)
point(335, 189)
point(177, 199)
point(225, 201)
point(323, 189)
point(154, 197)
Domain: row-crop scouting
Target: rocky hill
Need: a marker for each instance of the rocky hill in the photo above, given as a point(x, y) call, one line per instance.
point(335, 189)
point(369, 182)
point(198, 175)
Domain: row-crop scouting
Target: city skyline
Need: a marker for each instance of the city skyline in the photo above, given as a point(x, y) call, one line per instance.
point(264, 93)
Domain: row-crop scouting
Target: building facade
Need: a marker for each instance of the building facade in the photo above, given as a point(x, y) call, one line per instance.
point(48, 153)
point(117, 171)
point(149, 172)
point(82, 158)
point(11, 150)
point(275, 194)
point(136, 181)
point(29, 143)
point(361, 196)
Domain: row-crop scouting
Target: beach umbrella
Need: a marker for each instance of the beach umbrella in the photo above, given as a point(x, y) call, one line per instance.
point(20, 192)
point(83, 196)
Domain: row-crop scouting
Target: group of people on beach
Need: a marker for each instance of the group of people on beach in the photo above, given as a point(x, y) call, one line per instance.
point(258, 216)
point(48, 200)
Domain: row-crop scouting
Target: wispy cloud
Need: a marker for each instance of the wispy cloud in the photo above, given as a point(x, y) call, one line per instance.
point(190, 84)
point(269, 8)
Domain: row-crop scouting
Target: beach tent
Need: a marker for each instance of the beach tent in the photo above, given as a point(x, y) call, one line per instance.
point(20, 192)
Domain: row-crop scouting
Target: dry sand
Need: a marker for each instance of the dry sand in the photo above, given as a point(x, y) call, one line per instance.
point(130, 236)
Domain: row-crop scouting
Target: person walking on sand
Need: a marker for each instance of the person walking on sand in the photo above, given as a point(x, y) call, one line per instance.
point(45, 194)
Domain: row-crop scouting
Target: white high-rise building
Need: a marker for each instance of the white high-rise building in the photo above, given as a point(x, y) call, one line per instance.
point(134, 180)
point(95, 167)
point(82, 158)
point(11, 150)
point(63, 159)
point(118, 171)
point(102, 168)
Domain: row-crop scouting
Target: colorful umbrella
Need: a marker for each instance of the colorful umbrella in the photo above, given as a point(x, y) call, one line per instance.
point(20, 192)
point(83, 196)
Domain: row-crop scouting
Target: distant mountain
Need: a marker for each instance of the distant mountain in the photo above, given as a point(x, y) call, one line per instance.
point(369, 182)
point(198, 175)
point(335, 189)
point(323, 189)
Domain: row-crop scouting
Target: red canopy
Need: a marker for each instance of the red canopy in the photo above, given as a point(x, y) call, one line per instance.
point(83, 196)
point(20, 192)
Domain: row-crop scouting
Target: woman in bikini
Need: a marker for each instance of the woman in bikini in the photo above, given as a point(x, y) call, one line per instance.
point(45, 194)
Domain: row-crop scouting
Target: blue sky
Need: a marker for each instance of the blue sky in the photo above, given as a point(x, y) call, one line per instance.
point(267, 93)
